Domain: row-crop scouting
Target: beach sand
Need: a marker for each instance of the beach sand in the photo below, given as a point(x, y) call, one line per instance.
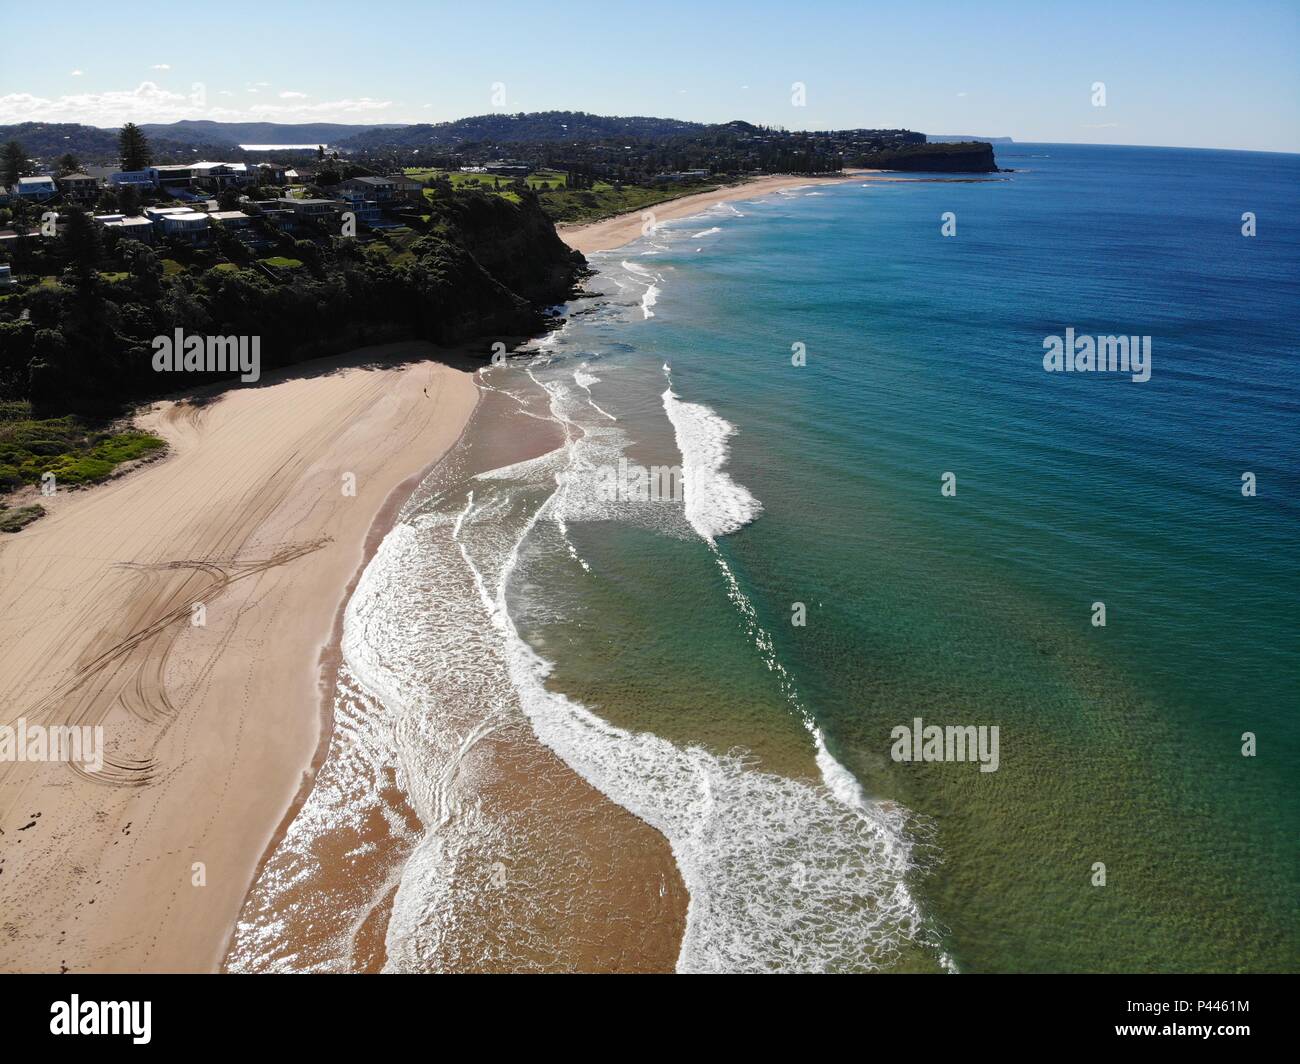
point(624, 228)
point(212, 730)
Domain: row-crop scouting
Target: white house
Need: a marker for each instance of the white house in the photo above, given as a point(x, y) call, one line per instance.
point(180, 222)
point(133, 228)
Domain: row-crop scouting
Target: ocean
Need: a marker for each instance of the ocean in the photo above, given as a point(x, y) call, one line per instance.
point(795, 477)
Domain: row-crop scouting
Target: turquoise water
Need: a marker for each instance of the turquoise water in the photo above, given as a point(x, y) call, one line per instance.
point(1119, 745)
point(648, 638)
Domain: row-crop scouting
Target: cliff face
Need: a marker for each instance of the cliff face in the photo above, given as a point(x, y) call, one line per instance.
point(970, 157)
point(453, 298)
point(514, 243)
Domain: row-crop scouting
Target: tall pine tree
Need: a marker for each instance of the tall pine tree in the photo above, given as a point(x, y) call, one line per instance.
point(133, 147)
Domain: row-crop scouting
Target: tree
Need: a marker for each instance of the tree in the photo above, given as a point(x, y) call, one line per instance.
point(68, 164)
point(82, 246)
point(128, 200)
point(133, 147)
point(13, 163)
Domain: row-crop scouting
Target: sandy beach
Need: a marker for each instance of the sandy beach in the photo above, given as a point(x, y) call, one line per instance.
point(212, 729)
point(624, 228)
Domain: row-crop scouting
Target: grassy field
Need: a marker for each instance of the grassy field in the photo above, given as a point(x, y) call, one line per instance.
point(487, 182)
point(604, 201)
point(563, 204)
point(75, 451)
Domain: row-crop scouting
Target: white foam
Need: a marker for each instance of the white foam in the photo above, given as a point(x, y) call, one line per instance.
point(715, 504)
point(705, 232)
point(783, 874)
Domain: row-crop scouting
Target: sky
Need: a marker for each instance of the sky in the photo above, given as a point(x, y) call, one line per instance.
point(1190, 74)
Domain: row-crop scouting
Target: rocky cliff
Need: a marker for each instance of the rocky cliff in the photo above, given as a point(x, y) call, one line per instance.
point(970, 157)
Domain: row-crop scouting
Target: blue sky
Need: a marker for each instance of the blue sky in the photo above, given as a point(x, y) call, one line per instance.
point(1191, 74)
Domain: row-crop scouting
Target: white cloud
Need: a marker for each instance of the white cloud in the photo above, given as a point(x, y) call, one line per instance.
point(75, 74)
point(161, 66)
point(293, 96)
point(151, 103)
point(963, 94)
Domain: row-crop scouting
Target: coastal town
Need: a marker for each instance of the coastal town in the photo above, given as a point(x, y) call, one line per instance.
point(251, 206)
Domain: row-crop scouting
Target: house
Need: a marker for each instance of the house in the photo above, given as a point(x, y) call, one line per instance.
point(375, 188)
point(131, 228)
point(409, 189)
point(136, 178)
point(231, 219)
point(6, 276)
point(35, 188)
point(276, 217)
point(79, 186)
point(217, 176)
point(171, 176)
point(180, 223)
point(367, 211)
point(307, 210)
point(274, 174)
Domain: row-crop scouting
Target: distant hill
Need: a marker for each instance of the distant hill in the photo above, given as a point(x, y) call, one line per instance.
point(49, 140)
point(538, 128)
point(91, 144)
point(231, 134)
point(569, 139)
point(956, 138)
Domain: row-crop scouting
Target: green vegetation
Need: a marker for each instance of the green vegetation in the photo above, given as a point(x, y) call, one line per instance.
point(13, 520)
point(80, 342)
point(603, 201)
point(591, 202)
point(487, 182)
point(74, 450)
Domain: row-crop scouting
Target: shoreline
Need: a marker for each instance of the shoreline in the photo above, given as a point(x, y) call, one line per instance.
point(213, 731)
point(330, 660)
point(610, 233)
point(326, 900)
